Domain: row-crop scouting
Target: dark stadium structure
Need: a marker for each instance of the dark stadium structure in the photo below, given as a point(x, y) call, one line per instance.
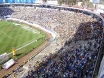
point(100, 50)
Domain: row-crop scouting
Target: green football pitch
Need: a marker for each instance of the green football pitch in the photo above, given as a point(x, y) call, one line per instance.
point(20, 36)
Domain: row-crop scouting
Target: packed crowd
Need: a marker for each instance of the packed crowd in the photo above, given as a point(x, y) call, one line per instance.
point(82, 35)
point(65, 23)
point(68, 63)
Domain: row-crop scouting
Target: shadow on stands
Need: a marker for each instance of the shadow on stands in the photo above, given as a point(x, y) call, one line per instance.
point(77, 59)
point(5, 12)
point(91, 31)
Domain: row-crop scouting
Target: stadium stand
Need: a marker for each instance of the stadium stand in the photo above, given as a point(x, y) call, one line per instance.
point(79, 34)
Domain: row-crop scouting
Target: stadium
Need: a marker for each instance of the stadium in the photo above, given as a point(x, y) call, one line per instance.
point(56, 41)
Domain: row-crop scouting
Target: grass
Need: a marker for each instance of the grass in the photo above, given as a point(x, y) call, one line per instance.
point(12, 35)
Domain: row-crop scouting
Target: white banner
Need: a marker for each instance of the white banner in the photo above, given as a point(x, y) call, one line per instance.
point(8, 64)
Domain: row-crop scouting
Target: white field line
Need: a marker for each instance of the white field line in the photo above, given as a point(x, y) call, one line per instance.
point(25, 43)
point(23, 46)
point(6, 34)
point(30, 29)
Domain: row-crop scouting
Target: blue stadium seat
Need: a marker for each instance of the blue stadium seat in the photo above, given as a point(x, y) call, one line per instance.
point(17, 1)
point(29, 1)
point(23, 1)
point(11, 1)
point(1, 1)
point(33, 1)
